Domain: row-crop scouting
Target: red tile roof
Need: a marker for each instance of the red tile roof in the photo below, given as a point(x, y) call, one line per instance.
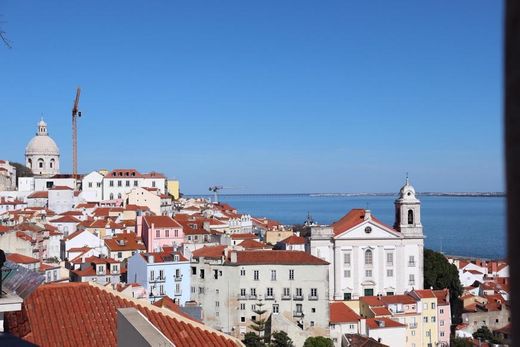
point(65, 219)
point(341, 313)
point(425, 293)
point(127, 173)
point(21, 259)
point(82, 314)
point(39, 195)
point(353, 218)
point(124, 242)
point(372, 323)
point(161, 257)
point(252, 244)
point(215, 252)
point(246, 236)
point(294, 240)
point(387, 300)
point(161, 222)
point(168, 303)
point(277, 257)
point(380, 311)
point(4, 229)
point(61, 188)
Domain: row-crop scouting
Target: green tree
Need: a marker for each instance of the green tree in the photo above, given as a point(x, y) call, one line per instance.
point(259, 324)
point(440, 274)
point(252, 340)
point(281, 339)
point(484, 334)
point(318, 341)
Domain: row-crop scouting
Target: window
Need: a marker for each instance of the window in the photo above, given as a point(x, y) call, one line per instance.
point(193, 270)
point(389, 273)
point(256, 275)
point(242, 307)
point(433, 306)
point(347, 296)
point(410, 216)
point(369, 292)
point(441, 311)
point(425, 319)
point(119, 195)
point(314, 292)
point(119, 183)
point(413, 334)
point(242, 319)
point(441, 323)
point(111, 196)
point(127, 183)
point(346, 273)
point(152, 275)
point(313, 310)
point(167, 233)
point(157, 233)
point(368, 257)
point(153, 184)
point(273, 275)
point(425, 306)
point(312, 323)
point(390, 259)
point(193, 290)
point(428, 333)
point(111, 183)
point(442, 333)
point(90, 184)
point(346, 258)
point(253, 291)
point(412, 281)
point(161, 274)
point(242, 291)
point(411, 261)
point(389, 293)
point(201, 273)
point(98, 184)
point(291, 275)
point(161, 289)
point(176, 232)
point(49, 276)
point(287, 292)
point(276, 308)
point(299, 308)
point(270, 292)
point(217, 304)
point(135, 183)
point(368, 273)
point(201, 290)
point(299, 292)
point(119, 255)
point(433, 319)
point(242, 272)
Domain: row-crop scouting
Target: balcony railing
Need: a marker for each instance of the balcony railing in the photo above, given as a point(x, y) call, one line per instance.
point(286, 297)
point(297, 297)
point(252, 297)
point(413, 325)
point(242, 297)
point(313, 297)
point(158, 279)
point(297, 314)
point(411, 283)
point(269, 296)
point(178, 278)
point(411, 263)
point(179, 293)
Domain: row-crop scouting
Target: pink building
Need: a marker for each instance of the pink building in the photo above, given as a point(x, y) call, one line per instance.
point(160, 231)
point(443, 316)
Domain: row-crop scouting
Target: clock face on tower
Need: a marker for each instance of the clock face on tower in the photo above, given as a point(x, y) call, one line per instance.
point(368, 230)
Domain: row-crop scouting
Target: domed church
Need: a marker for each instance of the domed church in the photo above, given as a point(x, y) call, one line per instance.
point(42, 155)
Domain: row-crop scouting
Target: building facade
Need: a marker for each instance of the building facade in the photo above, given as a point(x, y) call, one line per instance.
point(42, 155)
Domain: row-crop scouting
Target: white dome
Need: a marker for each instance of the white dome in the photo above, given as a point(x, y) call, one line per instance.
point(42, 145)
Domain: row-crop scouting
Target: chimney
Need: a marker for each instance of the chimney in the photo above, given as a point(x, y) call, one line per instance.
point(367, 215)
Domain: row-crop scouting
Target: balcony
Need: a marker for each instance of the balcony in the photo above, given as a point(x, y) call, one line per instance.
point(411, 283)
point(298, 297)
point(411, 263)
point(242, 297)
point(269, 297)
point(286, 297)
point(313, 297)
point(252, 297)
point(413, 325)
point(298, 314)
point(157, 280)
point(179, 293)
point(178, 278)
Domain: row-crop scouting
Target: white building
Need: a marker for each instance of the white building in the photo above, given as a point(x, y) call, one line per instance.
point(368, 257)
point(92, 187)
point(61, 199)
point(119, 182)
point(42, 155)
point(7, 176)
point(161, 273)
point(289, 283)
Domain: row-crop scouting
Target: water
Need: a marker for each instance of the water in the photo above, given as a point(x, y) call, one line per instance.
point(469, 226)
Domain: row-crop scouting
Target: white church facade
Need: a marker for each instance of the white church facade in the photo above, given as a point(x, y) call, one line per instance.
point(368, 257)
point(42, 155)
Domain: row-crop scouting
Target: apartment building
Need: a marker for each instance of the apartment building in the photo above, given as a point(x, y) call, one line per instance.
point(230, 285)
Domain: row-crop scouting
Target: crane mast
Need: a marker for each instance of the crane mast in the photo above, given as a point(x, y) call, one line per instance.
point(75, 115)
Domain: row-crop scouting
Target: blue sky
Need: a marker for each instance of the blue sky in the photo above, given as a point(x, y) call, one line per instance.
point(266, 96)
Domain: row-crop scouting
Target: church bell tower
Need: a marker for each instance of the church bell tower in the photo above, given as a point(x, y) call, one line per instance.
point(408, 212)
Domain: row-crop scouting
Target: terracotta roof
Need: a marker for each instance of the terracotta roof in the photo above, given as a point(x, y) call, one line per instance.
point(372, 323)
point(4, 229)
point(124, 173)
point(353, 218)
point(341, 313)
point(161, 222)
point(39, 195)
point(65, 219)
point(86, 205)
point(294, 240)
point(45, 267)
point(79, 249)
point(162, 257)
point(21, 259)
point(99, 260)
point(277, 257)
point(215, 252)
point(74, 234)
point(252, 244)
point(51, 312)
point(168, 303)
point(124, 242)
point(387, 300)
point(442, 296)
point(425, 293)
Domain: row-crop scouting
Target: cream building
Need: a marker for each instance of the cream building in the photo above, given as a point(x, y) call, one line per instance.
point(292, 285)
point(42, 155)
point(368, 257)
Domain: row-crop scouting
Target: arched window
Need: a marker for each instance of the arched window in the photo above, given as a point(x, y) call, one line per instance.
point(119, 195)
point(368, 257)
point(51, 163)
point(111, 196)
point(40, 163)
point(410, 216)
point(29, 163)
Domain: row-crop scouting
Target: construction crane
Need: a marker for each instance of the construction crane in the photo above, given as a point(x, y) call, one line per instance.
point(75, 115)
point(215, 190)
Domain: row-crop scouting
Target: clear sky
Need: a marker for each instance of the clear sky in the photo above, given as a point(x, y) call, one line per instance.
point(265, 96)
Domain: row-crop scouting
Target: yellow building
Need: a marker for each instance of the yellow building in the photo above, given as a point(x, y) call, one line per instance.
point(428, 309)
point(173, 187)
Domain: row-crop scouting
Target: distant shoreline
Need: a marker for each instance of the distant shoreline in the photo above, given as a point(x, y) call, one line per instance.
point(445, 194)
